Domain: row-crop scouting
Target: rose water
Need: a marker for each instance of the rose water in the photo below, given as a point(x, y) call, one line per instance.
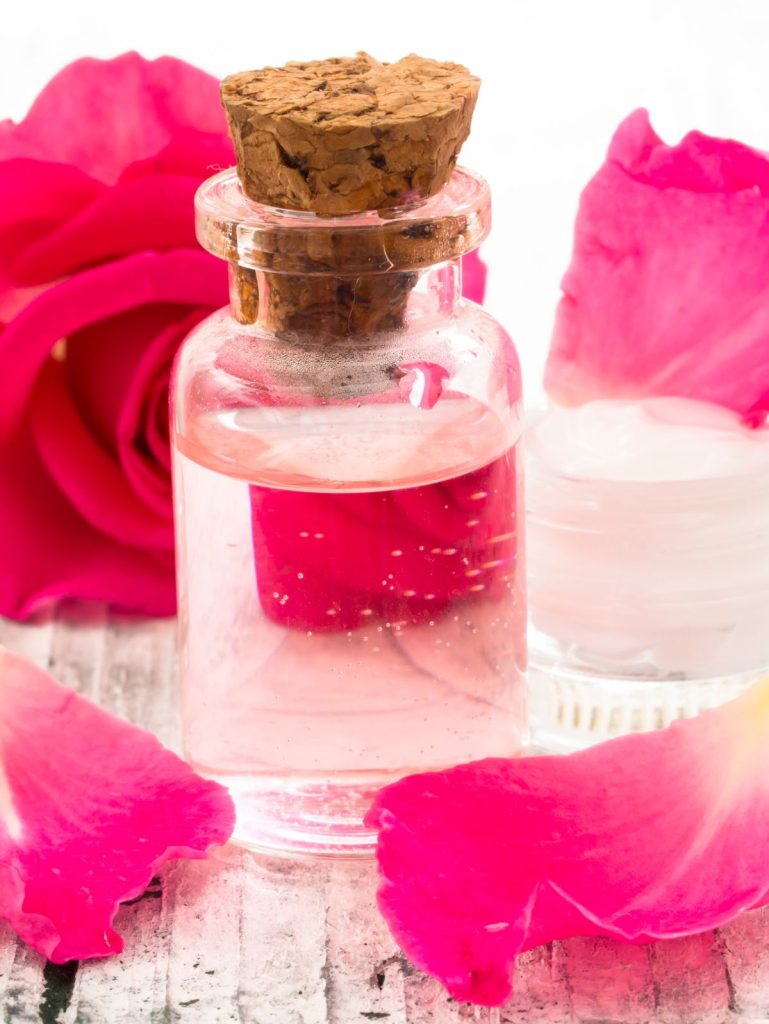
point(337, 633)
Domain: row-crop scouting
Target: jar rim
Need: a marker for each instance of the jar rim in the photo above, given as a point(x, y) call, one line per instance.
point(541, 469)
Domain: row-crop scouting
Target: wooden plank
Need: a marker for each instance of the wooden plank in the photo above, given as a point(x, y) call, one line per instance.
point(139, 679)
point(30, 639)
point(690, 980)
point(745, 951)
point(26, 988)
point(78, 646)
point(283, 961)
point(205, 956)
point(542, 994)
point(609, 982)
point(364, 970)
point(130, 988)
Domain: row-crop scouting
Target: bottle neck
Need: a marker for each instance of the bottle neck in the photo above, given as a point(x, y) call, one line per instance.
point(334, 306)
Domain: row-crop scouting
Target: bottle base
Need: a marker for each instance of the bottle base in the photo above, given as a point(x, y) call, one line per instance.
point(305, 815)
point(573, 708)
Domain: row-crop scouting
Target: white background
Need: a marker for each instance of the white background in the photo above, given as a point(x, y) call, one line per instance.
point(558, 75)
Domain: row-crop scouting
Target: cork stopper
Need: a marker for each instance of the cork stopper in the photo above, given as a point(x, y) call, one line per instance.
point(348, 134)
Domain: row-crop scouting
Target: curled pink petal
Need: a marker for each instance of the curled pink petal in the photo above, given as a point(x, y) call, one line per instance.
point(648, 836)
point(422, 383)
point(90, 808)
point(141, 213)
point(74, 458)
point(184, 276)
point(666, 293)
point(49, 551)
point(36, 197)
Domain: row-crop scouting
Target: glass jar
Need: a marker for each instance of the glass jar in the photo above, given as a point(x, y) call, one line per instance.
point(347, 480)
point(648, 565)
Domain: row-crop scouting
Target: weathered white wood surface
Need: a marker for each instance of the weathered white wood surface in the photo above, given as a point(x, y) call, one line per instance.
point(246, 939)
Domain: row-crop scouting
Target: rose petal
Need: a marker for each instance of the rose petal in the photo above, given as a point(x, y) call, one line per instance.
point(104, 359)
point(142, 429)
point(422, 383)
point(90, 808)
point(666, 293)
point(185, 276)
point(74, 459)
point(75, 559)
point(189, 152)
point(36, 197)
point(474, 273)
point(144, 213)
point(648, 836)
point(329, 561)
point(142, 104)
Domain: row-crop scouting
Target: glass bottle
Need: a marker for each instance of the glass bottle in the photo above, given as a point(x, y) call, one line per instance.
point(648, 565)
point(347, 478)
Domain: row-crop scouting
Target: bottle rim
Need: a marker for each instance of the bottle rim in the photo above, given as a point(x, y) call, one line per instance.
point(412, 236)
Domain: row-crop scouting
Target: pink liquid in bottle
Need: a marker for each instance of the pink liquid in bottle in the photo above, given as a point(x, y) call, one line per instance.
point(338, 636)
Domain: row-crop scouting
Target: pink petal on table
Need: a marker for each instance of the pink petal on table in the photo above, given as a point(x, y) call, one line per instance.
point(667, 292)
point(76, 560)
point(648, 836)
point(184, 276)
point(143, 103)
point(90, 808)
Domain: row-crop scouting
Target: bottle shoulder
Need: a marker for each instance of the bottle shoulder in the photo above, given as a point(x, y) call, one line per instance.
point(469, 331)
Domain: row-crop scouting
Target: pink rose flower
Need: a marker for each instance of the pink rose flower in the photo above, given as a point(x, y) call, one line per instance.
point(100, 279)
point(667, 291)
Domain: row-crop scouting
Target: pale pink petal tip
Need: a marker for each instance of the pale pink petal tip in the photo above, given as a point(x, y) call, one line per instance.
point(90, 807)
point(474, 274)
point(666, 293)
point(648, 836)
